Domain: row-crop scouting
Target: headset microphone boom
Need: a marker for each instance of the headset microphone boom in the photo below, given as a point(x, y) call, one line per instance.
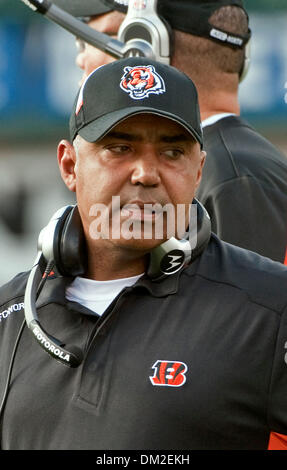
point(142, 33)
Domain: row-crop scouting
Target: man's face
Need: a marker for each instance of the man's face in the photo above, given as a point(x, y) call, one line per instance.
point(89, 58)
point(146, 160)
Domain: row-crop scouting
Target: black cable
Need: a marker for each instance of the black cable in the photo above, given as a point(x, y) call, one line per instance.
point(47, 271)
point(6, 389)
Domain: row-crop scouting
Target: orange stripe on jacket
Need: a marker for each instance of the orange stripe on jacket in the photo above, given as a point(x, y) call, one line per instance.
point(277, 441)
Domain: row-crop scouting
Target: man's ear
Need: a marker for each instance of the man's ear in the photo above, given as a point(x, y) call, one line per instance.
point(67, 160)
point(202, 161)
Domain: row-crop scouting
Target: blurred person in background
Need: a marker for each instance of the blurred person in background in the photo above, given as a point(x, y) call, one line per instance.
point(244, 182)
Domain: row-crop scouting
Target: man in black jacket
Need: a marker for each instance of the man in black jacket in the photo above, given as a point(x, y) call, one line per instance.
point(244, 182)
point(173, 344)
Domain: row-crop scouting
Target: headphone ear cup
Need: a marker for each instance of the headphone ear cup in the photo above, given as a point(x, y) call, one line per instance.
point(246, 62)
point(173, 254)
point(139, 30)
point(72, 252)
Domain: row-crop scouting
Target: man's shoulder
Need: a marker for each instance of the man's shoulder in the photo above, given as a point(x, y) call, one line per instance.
point(235, 151)
point(261, 279)
point(13, 289)
point(237, 138)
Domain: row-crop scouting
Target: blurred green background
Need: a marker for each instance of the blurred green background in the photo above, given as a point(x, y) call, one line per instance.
point(38, 83)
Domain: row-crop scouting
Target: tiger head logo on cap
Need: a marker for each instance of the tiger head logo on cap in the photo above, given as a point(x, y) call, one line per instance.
point(140, 81)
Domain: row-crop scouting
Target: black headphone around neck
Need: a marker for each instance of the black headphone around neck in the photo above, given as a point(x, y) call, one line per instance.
point(62, 242)
point(62, 245)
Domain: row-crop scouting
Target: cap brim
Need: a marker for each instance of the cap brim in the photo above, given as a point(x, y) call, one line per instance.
point(97, 129)
point(82, 7)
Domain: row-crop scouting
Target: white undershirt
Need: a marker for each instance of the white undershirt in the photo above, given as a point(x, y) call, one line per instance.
point(97, 295)
point(216, 117)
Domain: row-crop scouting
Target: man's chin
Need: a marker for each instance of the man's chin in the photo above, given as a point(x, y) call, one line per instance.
point(140, 245)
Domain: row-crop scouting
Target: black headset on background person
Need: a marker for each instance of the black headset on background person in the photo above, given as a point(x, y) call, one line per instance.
point(143, 32)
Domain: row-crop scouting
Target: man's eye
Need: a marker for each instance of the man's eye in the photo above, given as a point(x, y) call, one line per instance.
point(173, 153)
point(119, 149)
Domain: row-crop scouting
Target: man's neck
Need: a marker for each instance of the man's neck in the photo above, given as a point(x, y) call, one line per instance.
point(215, 118)
point(108, 263)
point(217, 103)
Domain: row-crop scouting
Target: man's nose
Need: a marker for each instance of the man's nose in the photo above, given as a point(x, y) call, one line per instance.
point(146, 171)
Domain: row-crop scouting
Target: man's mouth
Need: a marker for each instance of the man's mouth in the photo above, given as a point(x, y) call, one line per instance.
point(148, 211)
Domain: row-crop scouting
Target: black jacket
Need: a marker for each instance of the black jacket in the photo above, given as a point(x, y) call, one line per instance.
point(244, 188)
point(195, 361)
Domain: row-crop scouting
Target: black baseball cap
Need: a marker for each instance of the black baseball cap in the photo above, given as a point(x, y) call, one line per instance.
point(189, 16)
point(131, 86)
